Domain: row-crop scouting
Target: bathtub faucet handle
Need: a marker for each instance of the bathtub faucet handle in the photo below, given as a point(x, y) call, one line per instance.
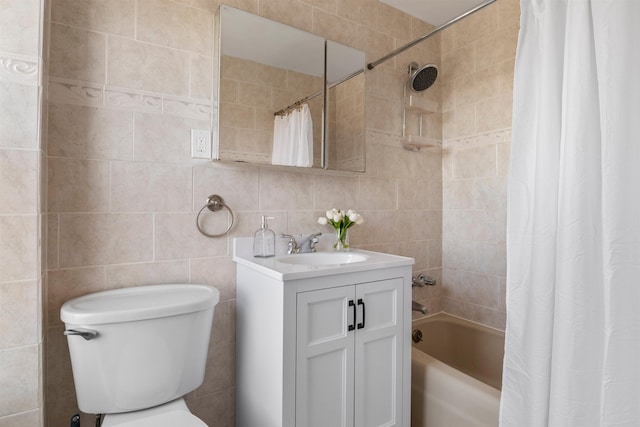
point(421, 280)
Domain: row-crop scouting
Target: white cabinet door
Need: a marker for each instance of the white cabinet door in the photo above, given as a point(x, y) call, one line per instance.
point(324, 359)
point(349, 356)
point(378, 349)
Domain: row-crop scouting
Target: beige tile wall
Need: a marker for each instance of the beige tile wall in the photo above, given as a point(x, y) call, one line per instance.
point(21, 275)
point(477, 72)
point(128, 81)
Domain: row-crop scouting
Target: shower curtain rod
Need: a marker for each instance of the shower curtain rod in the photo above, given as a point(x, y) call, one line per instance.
point(372, 65)
point(401, 49)
point(314, 95)
point(296, 104)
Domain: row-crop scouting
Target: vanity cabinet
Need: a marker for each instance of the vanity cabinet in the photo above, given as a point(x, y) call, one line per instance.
point(349, 355)
point(326, 347)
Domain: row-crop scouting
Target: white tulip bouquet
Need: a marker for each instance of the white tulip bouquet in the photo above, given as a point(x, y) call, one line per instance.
point(341, 221)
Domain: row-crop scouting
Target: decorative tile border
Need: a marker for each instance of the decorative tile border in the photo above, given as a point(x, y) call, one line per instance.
point(145, 102)
point(96, 95)
point(187, 108)
point(75, 92)
point(19, 69)
point(489, 138)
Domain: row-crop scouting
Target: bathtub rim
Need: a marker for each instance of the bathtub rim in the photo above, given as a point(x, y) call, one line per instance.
point(457, 319)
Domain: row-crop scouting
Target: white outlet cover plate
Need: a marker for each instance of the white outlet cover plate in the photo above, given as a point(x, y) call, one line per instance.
point(200, 143)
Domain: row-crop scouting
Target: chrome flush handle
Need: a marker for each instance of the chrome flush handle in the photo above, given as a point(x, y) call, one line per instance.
point(87, 334)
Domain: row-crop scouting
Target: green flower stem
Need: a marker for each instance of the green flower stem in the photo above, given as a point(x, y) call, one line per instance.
point(341, 228)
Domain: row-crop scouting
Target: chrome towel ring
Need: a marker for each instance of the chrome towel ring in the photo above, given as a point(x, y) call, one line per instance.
point(214, 203)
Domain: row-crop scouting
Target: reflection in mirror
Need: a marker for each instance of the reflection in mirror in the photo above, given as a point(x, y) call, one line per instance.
point(268, 73)
point(345, 137)
point(265, 67)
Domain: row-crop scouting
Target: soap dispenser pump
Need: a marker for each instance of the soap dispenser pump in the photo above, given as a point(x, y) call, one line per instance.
point(264, 240)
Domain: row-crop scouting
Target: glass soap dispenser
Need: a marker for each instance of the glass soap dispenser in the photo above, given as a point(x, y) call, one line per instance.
point(264, 240)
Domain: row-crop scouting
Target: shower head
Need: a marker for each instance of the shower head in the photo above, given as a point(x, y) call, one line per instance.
point(421, 78)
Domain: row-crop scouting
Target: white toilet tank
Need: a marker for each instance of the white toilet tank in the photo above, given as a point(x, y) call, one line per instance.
point(150, 348)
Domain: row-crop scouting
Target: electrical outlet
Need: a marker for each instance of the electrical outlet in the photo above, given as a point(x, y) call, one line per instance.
point(200, 144)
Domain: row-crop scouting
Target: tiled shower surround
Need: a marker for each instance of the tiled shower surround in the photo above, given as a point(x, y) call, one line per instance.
point(128, 80)
point(477, 85)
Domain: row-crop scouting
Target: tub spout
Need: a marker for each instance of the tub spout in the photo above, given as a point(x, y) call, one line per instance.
point(416, 306)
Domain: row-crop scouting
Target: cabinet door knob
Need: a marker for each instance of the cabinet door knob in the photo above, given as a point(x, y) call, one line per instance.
point(353, 325)
point(360, 302)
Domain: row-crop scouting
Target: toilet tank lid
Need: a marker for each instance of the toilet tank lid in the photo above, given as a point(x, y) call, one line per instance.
point(138, 303)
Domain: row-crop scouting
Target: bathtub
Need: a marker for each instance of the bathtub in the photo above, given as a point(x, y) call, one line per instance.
point(456, 373)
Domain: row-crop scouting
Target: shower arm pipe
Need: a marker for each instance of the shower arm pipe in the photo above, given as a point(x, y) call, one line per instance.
point(401, 49)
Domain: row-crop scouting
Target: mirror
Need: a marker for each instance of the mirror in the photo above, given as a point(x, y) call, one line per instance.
point(271, 95)
point(345, 137)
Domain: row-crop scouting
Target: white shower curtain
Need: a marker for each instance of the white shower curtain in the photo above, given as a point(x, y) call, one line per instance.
point(573, 235)
point(293, 138)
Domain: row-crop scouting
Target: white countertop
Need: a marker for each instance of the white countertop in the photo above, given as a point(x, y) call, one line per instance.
point(273, 267)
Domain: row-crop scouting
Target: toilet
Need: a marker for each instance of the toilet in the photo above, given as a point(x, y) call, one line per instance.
point(135, 352)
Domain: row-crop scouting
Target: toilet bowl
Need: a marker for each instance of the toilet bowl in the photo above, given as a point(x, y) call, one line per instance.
point(172, 414)
point(135, 352)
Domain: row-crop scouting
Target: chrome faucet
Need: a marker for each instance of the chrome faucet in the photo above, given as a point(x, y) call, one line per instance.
point(307, 245)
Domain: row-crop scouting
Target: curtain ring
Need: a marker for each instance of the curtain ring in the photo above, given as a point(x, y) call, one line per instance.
point(214, 203)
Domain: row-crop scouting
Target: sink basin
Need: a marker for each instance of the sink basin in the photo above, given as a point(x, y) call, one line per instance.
point(323, 258)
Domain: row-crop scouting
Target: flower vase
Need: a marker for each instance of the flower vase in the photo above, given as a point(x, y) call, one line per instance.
point(342, 240)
